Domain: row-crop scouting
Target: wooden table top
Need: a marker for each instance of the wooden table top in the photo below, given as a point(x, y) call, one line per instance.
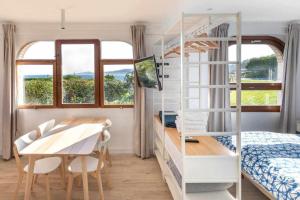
point(207, 145)
point(77, 136)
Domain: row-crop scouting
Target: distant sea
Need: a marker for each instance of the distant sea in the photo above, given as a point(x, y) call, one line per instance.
point(118, 74)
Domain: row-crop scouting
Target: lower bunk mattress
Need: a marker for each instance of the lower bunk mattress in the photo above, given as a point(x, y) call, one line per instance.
point(272, 160)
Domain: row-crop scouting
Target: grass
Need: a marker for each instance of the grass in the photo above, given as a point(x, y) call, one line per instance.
point(256, 97)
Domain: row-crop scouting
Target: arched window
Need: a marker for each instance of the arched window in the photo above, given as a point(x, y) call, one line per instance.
point(261, 71)
point(73, 73)
point(38, 50)
point(36, 75)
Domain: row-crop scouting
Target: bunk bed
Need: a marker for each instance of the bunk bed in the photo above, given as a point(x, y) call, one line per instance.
point(198, 168)
point(192, 170)
point(270, 161)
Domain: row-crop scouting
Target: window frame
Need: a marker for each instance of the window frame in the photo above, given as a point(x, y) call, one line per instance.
point(269, 40)
point(38, 62)
point(57, 72)
point(58, 44)
point(112, 62)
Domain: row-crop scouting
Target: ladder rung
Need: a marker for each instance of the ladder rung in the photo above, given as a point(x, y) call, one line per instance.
point(213, 39)
point(212, 86)
point(213, 63)
point(211, 110)
point(205, 133)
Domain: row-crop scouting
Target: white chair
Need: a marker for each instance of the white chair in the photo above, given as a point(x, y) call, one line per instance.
point(41, 167)
point(44, 130)
point(108, 125)
point(94, 166)
point(45, 127)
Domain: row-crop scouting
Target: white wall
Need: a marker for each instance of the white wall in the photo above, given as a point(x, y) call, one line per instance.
point(1, 83)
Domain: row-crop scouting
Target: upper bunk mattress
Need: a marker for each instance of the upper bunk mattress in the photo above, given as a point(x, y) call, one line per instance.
point(272, 159)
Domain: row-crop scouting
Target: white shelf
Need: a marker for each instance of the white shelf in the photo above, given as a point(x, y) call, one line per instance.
point(217, 195)
point(170, 179)
point(204, 39)
point(204, 133)
point(212, 86)
point(212, 63)
point(209, 109)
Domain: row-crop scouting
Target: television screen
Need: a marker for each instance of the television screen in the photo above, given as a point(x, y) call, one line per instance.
point(146, 72)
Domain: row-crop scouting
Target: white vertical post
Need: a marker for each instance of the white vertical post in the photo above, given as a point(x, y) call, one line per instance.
point(199, 66)
point(182, 103)
point(163, 101)
point(238, 103)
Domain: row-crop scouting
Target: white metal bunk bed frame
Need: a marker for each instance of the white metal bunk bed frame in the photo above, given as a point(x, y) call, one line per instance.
point(184, 133)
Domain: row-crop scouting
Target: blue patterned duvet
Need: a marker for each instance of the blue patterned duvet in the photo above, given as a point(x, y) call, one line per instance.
point(272, 159)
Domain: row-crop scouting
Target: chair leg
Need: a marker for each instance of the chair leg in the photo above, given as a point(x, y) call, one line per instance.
point(78, 181)
point(32, 183)
point(100, 186)
point(62, 174)
point(20, 178)
point(35, 177)
point(108, 158)
point(107, 177)
point(69, 190)
point(47, 187)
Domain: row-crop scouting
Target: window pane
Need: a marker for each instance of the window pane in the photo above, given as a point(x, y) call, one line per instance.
point(257, 97)
point(35, 84)
point(78, 71)
point(116, 50)
point(118, 84)
point(38, 50)
point(261, 63)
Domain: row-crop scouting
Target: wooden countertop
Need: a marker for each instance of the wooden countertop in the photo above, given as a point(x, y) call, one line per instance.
point(207, 145)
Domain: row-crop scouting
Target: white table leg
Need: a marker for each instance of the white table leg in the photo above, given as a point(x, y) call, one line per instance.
point(29, 177)
point(84, 178)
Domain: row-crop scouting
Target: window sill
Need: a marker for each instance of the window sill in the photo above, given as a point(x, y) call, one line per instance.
point(118, 106)
point(72, 106)
point(260, 108)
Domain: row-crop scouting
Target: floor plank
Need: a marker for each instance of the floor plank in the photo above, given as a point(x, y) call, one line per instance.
point(130, 178)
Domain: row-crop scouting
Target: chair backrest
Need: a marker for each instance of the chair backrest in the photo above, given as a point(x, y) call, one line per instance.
point(26, 140)
point(102, 147)
point(21, 143)
point(108, 124)
point(103, 141)
point(106, 136)
point(45, 127)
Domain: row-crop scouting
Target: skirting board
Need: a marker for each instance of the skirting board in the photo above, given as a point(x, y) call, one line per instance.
point(258, 186)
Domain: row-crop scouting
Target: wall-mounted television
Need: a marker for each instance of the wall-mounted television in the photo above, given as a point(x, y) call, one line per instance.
point(147, 72)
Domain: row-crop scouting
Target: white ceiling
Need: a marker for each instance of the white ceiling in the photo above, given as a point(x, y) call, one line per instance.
point(151, 11)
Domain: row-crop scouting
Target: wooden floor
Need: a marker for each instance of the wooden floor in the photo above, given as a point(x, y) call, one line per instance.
point(131, 179)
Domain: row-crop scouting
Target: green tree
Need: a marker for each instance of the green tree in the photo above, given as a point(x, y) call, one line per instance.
point(118, 91)
point(78, 90)
point(39, 91)
point(264, 67)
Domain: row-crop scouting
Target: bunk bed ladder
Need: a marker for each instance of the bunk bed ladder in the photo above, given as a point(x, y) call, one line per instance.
point(185, 85)
point(184, 66)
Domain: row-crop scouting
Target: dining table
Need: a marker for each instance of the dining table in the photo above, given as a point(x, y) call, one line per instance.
point(71, 137)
